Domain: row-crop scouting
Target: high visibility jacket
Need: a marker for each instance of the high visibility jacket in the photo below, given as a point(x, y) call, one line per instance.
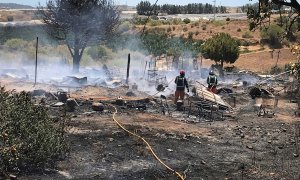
point(212, 80)
point(181, 83)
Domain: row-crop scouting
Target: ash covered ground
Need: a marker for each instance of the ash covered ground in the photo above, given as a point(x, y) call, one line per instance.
point(239, 143)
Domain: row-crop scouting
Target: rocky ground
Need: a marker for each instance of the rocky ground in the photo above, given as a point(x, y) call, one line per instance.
point(242, 146)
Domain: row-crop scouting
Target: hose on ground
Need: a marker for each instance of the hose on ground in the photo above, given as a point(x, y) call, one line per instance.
point(148, 145)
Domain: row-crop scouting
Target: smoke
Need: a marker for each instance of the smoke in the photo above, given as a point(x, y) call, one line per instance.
point(146, 71)
point(55, 70)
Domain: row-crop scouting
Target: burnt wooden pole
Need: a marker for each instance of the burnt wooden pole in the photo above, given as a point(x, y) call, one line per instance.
point(36, 58)
point(128, 67)
point(145, 68)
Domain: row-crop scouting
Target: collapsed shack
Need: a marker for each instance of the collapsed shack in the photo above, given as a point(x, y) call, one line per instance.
point(207, 105)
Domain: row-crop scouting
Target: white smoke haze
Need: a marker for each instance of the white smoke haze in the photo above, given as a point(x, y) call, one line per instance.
point(55, 64)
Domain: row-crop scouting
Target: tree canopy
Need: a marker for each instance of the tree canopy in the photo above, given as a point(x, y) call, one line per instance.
point(80, 23)
point(221, 48)
point(157, 42)
point(259, 14)
point(145, 8)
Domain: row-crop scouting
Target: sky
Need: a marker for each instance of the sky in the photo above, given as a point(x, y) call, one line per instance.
point(34, 3)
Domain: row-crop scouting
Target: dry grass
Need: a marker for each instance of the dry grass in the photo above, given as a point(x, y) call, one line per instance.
point(205, 29)
point(18, 15)
point(263, 61)
point(260, 61)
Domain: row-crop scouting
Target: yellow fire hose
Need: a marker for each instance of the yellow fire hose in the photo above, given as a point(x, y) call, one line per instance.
point(148, 145)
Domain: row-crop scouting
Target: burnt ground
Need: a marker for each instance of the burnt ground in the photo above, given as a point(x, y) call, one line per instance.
point(242, 146)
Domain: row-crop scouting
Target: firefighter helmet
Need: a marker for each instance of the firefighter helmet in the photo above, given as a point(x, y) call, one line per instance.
point(182, 72)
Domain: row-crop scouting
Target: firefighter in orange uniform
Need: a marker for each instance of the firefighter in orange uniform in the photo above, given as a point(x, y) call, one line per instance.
point(181, 84)
point(212, 82)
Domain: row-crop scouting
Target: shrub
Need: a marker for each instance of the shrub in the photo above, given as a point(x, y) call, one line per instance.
point(245, 43)
point(228, 19)
point(10, 18)
point(275, 70)
point(154, 17)
point(176, 21)
point(29, 139)
point(190, 35)
point(273, 34)
point(173, 28)
point(186, 20)
point(124, 26)
point(252, 26)
point(239, 30)
point(155, 22)
point(139, 20)
point(203, 27)
point(223, 27)
point(247, 34)
point(196, 23)
point(239, 42)
point(156, 30)
point(169, 29)
point(219, 22)
point(100, 52)
point(164, 22)
point(185, 29)
point(15, 44)
point(197, 32)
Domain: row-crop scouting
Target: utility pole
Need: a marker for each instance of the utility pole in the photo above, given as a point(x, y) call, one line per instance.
point(36, 59)
point(128, 66)
point(214, 9)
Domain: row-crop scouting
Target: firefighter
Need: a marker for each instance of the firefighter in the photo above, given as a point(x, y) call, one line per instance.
point(212, 82)
point(181, 83)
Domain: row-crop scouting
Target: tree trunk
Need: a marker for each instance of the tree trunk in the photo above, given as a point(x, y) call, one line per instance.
point(176, 61)
point(222, 70)
point(76, 60)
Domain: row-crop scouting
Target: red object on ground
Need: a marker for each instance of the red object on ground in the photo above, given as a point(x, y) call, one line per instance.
point(213, 89)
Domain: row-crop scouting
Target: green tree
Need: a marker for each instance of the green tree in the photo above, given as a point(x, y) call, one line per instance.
point(144, 8)
point(80, 23)
point(221, 48)
point(260, 14)
point(273, 34)
point(179, 47)
point(155, 44)
point(175, 49)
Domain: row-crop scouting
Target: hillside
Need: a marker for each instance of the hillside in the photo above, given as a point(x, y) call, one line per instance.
point(14, 6)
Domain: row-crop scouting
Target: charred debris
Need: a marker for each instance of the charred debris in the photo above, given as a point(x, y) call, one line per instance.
point(235, 93)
